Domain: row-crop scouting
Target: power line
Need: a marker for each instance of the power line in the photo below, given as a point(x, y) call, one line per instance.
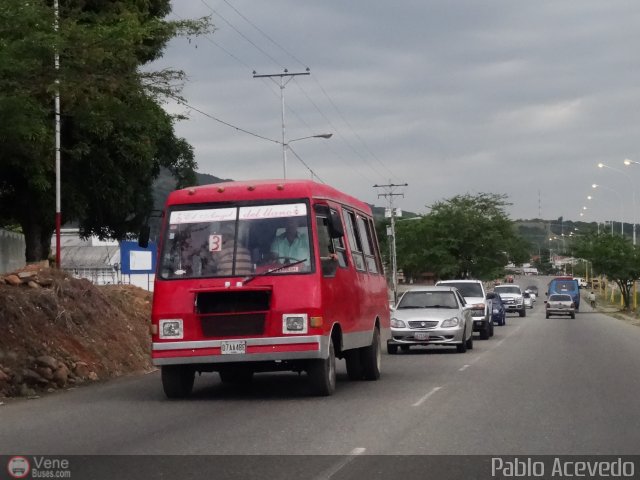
point(308, 167)
point(245, 18)
point(266, 35)
point(242, 34)
point(182, 102)
point(338, 132)
point(351, 127)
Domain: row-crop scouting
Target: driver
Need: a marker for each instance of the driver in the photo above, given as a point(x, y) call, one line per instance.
point(291, 245)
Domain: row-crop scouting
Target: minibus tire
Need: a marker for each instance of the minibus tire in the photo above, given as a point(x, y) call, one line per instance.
point(371, 358)
point(177, 380)
point(354, 365)
point(322, 374)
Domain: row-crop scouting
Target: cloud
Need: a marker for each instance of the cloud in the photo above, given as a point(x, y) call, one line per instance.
point(451, 97)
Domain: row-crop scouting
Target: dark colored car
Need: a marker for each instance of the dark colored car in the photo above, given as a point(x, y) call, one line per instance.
point(498, 313)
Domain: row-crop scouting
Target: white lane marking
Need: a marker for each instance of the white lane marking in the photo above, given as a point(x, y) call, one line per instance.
point(330, 472)
point(426, 397)
point(464, 367)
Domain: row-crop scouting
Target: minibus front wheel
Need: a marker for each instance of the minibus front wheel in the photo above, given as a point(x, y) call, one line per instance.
point(177, 380)
point(322, 374)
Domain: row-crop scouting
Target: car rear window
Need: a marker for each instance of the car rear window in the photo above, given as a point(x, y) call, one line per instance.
point(467, 289)
point(428, 300)
point(568, 285)
point(560, 298)
point(507, 289)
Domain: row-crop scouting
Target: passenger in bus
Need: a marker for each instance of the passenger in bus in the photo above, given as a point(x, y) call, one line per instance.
point(224, 257)
point(291, 245)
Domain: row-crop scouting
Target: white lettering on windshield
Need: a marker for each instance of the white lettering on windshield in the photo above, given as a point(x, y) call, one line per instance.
point(273, 211)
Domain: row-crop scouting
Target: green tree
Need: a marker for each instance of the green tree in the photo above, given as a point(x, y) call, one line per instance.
point(613, 256)
point(467, 236)
point(115, 135)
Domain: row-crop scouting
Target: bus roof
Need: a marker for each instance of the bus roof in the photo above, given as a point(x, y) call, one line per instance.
point(262, 190)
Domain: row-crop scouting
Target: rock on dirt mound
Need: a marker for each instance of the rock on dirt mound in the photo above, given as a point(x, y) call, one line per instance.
point(58, 331)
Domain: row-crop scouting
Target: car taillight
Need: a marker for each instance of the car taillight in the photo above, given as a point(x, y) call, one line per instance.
point(573, 305)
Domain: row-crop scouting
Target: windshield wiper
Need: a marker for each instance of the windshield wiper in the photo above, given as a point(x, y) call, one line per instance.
point(250, 278)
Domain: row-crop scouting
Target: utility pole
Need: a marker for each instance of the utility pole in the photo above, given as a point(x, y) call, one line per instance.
point(57, 130)
point(390, 193)
point(285, 78)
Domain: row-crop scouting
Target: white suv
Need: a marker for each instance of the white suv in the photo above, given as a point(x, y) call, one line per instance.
point(476, 298)
point(512, 298)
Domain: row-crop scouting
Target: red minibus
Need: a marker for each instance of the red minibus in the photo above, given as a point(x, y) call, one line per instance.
point(264, 276)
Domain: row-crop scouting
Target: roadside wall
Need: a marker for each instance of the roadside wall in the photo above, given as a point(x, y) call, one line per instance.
point(12, 249)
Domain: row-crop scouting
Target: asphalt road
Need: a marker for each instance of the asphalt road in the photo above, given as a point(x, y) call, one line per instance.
point(539, 386)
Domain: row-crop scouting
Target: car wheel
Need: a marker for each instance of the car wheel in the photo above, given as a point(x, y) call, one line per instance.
point(236, 377)
point(484, 334)
point(546, 315)
point(504, 319)
point(371, 358)
point(177, 380)
point(462, 347)
point(322, 374)
point(523, 312)
point(573, 315)
point(491, 329)
point(470, 342)
point(354, 365)
point(392, 349)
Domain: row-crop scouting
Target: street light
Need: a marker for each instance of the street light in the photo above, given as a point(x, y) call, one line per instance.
point(596, 185)
point(633, 194)
point(285, 146)
point(628, 162)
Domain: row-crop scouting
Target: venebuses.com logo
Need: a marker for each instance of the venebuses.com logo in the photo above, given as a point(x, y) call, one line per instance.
point(18, 467)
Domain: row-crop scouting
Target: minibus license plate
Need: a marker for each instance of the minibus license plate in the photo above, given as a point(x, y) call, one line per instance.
point(422, 336)
point(233, 347)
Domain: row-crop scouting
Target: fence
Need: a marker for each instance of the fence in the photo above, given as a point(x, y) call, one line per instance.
point(12, 249)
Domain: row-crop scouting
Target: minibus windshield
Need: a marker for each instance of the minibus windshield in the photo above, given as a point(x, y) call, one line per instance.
point(236, 241)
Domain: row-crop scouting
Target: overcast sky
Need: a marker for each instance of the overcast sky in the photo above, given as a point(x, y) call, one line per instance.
point(451, 96)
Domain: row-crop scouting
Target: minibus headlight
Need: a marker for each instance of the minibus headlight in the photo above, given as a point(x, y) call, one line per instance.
point(171, 328)
point(294, 323)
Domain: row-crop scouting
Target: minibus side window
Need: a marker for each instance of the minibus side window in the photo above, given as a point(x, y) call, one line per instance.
point(367, 245)
point(354, 241)
point(328, 263)
point(374, 244)
point(339, 247)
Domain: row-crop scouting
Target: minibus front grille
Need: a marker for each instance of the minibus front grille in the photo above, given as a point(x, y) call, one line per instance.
point(233, 302)
point(232, 325)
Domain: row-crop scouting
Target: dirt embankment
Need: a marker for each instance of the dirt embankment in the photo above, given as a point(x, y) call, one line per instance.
point(58, 332)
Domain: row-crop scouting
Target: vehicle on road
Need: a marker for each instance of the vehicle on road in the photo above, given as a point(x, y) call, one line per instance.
point(431, 316)
point(512, 298)
point(263, 276)
point(474, 295)
point(582, 283)
point(566, 285)
point(560, 304)
point(527, 298)
point(498, 313)
point(532, 289)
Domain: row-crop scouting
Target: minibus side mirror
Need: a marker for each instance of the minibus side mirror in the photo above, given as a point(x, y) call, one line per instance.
point(335, 225)
point(143, 238)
